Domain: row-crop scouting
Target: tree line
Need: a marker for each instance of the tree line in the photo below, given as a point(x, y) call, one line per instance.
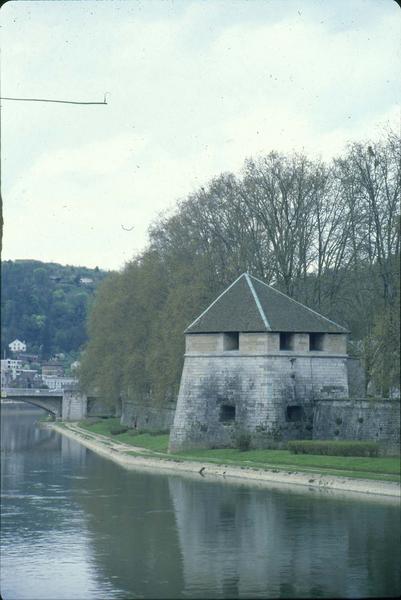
point(325, 233)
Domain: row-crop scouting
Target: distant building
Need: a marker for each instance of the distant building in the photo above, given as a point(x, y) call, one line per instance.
point(11, 365)
point(17, 346)
point(85, 280)
point(6, 378)
point(58, 383)
point(10, 369)
point(27, 378)
point(27, 358)
point(52, 369)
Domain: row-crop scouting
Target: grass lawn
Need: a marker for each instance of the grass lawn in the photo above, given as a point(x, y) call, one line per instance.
point(157, 443)
point(379, 468)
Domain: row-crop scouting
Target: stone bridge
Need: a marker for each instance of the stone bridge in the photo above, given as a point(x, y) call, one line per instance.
point(69, 404)
point(49, 400)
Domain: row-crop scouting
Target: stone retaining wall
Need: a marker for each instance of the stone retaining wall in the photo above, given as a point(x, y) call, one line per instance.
point(99, 408)
point(359, 420)
point(145, 416)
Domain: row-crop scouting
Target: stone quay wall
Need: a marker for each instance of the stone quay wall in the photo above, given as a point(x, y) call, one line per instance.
point(354, 419)
point(271, 395)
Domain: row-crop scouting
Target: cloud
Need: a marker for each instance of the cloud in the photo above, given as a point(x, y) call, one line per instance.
point(194, 90)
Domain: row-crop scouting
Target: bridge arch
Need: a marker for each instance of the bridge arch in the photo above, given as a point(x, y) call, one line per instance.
point(55, 411)
point(49, 401)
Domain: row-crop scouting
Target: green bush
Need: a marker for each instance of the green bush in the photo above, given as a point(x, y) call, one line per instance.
point(116, 429)
point(333, 447)
point(159, 432)
point(149, 431)
point(133, 432)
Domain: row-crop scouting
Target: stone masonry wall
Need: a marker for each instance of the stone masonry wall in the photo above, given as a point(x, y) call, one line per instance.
point(73, 405)
point(273, 396)
point(359, 420)
point(99, 408)
point(254, 342)
point(76, 406)
point(204, 342)
point(145, 416)
point(356, 378)
point(336, 342)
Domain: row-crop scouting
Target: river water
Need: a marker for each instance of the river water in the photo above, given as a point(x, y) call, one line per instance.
point(77, 526)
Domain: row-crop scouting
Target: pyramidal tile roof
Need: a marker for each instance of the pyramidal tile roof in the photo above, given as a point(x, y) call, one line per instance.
point(249, 305)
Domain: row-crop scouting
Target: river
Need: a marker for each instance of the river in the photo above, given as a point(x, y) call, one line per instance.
point(78, 526)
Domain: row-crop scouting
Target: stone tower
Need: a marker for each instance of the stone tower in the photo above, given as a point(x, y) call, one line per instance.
point(255, 362)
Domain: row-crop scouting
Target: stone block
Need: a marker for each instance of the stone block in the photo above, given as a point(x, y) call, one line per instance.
point(301, 342)
point(336, 343)
point(253, 342)
point(273, 342)
point(204, 342)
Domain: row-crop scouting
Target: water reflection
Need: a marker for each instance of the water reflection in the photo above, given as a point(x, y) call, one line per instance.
point(46, 552)
point(78, 526)
point(133, 530)
point(239, 542)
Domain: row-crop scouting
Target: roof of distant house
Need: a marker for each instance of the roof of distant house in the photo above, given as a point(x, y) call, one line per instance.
point(249, 305)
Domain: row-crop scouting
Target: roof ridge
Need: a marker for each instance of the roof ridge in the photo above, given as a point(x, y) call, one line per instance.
point(257, 301)
point(214, 301)
point(300, 303)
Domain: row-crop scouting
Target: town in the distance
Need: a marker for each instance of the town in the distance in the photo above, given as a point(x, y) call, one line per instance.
point(24, 369)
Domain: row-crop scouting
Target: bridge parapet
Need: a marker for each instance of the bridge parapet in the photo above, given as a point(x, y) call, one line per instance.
point(70, 404)
point(66, 404)
point(31, 392)
point(51, 403)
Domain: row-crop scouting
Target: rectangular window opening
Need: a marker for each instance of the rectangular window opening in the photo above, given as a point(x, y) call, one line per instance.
point(294, 413)
point(231, 341)
point(227, 413)
point(286, 341)
point(316, 342)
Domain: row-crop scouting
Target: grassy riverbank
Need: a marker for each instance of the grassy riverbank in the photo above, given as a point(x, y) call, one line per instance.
point(157, 443)
point(376, 468)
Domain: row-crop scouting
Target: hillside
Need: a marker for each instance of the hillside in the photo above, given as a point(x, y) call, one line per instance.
point(45, 304)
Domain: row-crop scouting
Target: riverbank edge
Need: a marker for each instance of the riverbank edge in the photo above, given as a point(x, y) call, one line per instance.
point(231, 472)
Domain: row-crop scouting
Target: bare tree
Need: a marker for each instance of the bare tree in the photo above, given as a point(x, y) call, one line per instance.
point(370, 176)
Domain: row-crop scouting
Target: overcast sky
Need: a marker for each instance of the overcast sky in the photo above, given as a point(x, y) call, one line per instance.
point(193, 89)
